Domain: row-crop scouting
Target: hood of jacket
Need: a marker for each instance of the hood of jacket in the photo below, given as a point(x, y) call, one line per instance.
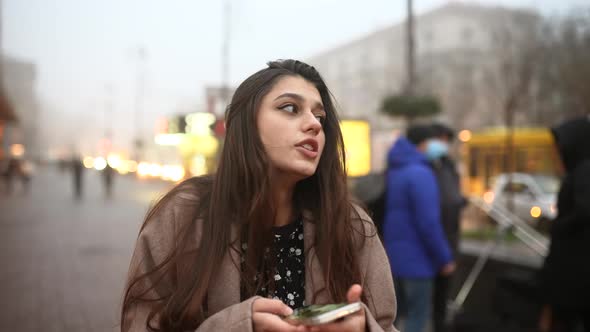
point(403, 153)
point(573, 141)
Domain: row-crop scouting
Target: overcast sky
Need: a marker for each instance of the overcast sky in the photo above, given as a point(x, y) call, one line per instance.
point(86, 51)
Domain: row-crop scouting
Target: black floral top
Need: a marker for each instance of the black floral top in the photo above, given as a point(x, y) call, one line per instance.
point(289, 274)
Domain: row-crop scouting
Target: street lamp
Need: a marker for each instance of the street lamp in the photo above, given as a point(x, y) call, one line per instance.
point(139, 96)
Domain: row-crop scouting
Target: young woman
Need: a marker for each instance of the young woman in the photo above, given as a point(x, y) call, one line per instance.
point(273, 229)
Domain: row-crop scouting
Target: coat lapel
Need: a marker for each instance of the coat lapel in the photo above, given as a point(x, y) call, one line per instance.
point(314, 278)
point(225, 288)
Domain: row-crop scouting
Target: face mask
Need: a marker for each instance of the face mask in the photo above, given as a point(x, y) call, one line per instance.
point(436, 149)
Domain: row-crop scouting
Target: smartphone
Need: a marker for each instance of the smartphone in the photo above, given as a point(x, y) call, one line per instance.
point(317, 314)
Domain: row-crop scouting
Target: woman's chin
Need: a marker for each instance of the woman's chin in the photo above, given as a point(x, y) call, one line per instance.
point(296, 171)
point(303, 172)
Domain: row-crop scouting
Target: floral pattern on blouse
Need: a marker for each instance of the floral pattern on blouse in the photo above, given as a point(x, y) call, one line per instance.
point(289, 274)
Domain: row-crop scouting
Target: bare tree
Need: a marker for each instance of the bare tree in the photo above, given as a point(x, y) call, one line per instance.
point(513, 61)
point(564, 73)
point(513, 58)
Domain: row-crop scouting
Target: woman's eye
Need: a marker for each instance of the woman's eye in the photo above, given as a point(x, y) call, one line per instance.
point(320, 118)
point(289, 108)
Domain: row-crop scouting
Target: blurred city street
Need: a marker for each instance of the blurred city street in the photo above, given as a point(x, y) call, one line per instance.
point(64, 261)
point(447, 112)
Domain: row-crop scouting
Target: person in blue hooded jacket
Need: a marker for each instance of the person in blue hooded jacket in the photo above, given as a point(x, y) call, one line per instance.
point(412, 232)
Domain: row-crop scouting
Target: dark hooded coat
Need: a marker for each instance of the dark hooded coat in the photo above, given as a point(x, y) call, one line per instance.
point(566, 271)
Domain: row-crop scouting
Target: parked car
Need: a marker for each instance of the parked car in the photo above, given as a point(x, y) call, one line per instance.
point(534, 196)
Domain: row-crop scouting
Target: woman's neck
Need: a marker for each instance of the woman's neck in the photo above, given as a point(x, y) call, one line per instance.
point(283, 198)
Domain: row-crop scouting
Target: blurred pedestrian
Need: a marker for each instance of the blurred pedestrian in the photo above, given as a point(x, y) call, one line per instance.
point(3, 168)
point(63, 165)
point(77, 171)
point(107, 174)
point(26, 174)
point(18, 169)
point(451, 204)
point(413, 234)
point(12, 171)
point(274, 229)
point(565, 276)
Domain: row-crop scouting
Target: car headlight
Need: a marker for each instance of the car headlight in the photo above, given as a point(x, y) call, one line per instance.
point(535, 212)
point(488, 197)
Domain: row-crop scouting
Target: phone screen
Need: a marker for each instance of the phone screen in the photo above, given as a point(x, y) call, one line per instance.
point(316, 309)
point(322, 313)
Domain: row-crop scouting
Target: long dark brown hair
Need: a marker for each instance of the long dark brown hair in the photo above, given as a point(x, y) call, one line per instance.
point(239, 197)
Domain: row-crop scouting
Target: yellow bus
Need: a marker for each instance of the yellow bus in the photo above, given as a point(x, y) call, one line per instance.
point(484, 155)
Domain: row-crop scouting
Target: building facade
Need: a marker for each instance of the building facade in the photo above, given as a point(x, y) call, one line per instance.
point(18, 80)
point(462, 54)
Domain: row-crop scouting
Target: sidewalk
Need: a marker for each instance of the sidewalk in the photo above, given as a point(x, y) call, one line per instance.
point(64, 263)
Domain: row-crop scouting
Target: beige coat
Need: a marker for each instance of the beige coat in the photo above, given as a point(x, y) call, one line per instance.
point(227, 313)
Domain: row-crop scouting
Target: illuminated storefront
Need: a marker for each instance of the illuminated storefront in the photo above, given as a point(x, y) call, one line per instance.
point(194, 138)
point(357, 142)
point(197, 138)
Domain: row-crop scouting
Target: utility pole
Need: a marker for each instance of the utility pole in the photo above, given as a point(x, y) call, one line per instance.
point(225, 53)
point(411, 50)
point(510, 157)
point(108, 111)
point(138, 143)
point(108, 114)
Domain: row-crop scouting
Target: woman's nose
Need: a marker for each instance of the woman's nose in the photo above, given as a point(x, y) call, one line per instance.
point(311, 123)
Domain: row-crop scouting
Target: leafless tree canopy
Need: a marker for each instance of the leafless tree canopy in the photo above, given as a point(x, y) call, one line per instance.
point(564, 74)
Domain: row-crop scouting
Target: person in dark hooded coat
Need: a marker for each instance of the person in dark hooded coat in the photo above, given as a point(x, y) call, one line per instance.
point(565, 276)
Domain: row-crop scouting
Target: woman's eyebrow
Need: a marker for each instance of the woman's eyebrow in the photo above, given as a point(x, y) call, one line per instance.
point(299, 98)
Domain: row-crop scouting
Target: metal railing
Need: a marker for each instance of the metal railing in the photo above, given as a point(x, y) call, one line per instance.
point(507, 221)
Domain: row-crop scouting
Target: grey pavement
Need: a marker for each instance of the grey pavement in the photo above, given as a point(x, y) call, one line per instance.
point(63, 262)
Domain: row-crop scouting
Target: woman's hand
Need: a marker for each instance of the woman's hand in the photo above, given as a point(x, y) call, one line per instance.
point(352, 323)
point(266, 317)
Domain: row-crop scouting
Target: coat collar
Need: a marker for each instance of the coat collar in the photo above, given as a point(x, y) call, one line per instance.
point(314, 278)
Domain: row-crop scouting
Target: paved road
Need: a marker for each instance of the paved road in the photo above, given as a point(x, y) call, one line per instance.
point(63, 263)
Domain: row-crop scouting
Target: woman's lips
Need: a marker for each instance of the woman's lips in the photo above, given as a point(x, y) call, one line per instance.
point(308, 147)
point(306, 152)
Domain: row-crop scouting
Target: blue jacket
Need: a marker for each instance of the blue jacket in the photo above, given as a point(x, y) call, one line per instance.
point(412, 230)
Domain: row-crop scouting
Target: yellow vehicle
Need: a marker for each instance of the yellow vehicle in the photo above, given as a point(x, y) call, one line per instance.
point(484, 156)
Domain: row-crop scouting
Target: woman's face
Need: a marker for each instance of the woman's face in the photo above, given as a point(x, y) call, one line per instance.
point(290, 126)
